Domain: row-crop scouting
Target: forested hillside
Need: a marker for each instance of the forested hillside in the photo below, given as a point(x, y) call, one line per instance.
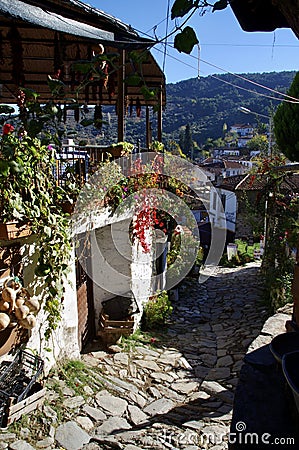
point(207, 103)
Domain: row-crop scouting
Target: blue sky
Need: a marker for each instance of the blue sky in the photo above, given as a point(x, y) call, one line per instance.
point(222, 41)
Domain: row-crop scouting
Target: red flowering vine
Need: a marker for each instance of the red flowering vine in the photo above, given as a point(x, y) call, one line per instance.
point(145, 220)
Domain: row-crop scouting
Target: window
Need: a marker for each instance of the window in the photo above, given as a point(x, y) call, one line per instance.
point(223, 200)
point(215, 200)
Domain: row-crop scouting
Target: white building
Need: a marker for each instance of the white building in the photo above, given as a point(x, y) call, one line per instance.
point(244, 131)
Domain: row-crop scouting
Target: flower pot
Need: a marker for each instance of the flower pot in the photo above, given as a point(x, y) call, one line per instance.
point(290, 363)
point(284, 343)
point(14, 230)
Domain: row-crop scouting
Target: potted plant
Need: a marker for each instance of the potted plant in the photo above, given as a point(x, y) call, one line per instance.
point(157, 310)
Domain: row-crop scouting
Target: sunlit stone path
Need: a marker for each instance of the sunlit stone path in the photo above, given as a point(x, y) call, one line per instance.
point(176, 393)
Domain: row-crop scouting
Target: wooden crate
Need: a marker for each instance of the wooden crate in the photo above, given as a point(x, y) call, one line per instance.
point(13, 230)
point(29, 404)
point(112, 330)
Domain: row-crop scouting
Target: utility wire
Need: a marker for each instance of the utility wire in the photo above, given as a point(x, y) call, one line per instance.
point(249, 81)
point(223, 70)
point(232, 84)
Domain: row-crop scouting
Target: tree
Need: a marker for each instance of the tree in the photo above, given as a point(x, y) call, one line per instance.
point(286, 124)
point(259, 143)
point(186, 142)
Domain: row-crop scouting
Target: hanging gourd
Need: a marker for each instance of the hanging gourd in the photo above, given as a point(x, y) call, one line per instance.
point(17, 306)
point(77, 114)
point(98, 116)
point(9, 293)
point(111, 85)
point(4, 321)
point(131, 106)
point(138, 107)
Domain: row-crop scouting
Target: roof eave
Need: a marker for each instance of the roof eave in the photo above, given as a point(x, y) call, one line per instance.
point(257, 15)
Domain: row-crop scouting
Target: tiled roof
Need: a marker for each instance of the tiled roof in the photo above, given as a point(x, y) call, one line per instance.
point(230, 183)
point(232, 164)
point(242, 125)
point(257, 182)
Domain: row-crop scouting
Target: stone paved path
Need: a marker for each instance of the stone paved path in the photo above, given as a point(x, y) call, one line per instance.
point(178, 395)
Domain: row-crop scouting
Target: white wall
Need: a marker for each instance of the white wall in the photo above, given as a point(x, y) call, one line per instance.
point(64, 340)
point(118, 267)
point(229, 212)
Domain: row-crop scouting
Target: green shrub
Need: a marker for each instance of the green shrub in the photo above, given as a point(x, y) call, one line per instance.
point(156, 311)
point(245, 254)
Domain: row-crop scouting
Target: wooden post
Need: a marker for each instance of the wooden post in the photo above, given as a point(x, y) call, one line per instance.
point(160, 115)
point(121, 96)
point(148, 129)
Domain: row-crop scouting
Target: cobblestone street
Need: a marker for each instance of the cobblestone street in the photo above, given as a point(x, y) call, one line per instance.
point(178, 395)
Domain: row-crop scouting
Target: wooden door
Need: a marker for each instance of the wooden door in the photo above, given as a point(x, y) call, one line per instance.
point(85, 304)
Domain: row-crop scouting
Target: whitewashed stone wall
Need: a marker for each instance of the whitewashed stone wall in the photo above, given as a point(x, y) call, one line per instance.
point(118, 267)
point(64, 340)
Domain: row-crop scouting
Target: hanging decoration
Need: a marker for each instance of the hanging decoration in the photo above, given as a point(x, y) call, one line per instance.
point(198, 61)
point(138, 107)
point(77, 114)
point(17, 307)
point(111, 81)
point(131, 107)
point(127, 102)
point(59, 57)
point(17, 72)
point(98, 117)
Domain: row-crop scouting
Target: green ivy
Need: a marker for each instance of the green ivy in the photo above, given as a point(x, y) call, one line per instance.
point(29, 195)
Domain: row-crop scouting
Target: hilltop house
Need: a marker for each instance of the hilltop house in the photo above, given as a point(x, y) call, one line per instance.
point(244, 131)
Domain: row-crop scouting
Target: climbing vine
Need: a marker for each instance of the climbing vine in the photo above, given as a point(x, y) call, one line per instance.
point(30, 196)
point(279, 198)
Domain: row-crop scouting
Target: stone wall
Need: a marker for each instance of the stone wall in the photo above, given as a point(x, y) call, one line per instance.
point(64, 340)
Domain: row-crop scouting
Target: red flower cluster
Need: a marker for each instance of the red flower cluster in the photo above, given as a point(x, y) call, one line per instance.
point(7, 128)
point(146, 219)
point(141, 225)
